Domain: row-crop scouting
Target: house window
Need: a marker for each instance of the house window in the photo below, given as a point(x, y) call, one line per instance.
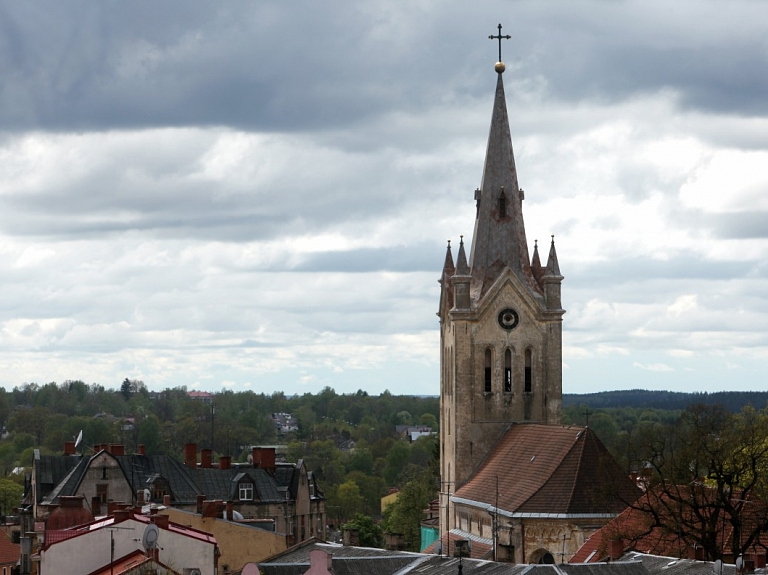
point(246, 492)
point(102, 492)
point(508, 371)
point(488, 370)
point(528, 372)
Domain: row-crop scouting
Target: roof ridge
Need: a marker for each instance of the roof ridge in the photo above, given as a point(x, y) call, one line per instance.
point(581, 439)
point(59, 487)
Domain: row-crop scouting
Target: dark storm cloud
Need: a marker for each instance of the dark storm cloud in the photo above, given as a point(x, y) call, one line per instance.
point(81, 65)
point(306, 66)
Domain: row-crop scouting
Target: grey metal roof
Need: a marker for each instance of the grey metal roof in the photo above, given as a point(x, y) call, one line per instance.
point(613, 568)
point(657, 565)
point(220, 483)
point(51, 469)
point(365, 561)
point(139, 468)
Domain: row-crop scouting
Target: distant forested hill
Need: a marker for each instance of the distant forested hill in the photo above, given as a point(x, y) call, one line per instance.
point(671, 400)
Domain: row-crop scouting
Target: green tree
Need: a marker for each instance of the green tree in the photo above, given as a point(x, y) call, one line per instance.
point(429, 420)
point(149, 434)
point(404, 515)
point(10, 495)
point(371, 534)
point(397, 459)
point(125, 389)
point(349, 500)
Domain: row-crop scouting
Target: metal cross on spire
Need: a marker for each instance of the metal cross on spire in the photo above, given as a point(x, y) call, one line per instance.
point(499, 37)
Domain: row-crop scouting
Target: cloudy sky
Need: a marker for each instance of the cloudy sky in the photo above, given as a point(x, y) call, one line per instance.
point(257, 195)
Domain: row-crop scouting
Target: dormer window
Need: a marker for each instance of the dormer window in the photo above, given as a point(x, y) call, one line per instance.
point(246, 492)
point(159, 487)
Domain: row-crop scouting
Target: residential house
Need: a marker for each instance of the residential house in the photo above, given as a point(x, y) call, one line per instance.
point(239, 542)
point(285, 493)
point(92, 546)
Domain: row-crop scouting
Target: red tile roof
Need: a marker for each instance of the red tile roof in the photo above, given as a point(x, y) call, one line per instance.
point(633, 529)
point(550, 469)
point(9, 551)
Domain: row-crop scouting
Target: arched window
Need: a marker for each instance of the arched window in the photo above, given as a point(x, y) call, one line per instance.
point(502, 204)
point(488, 360)
point(528, 371)
point(508, 371)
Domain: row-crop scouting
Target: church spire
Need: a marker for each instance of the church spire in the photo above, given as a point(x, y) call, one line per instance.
point(553, 268)
point(499, 237)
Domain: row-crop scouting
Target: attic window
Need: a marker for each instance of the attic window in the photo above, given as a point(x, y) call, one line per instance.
point(502, 204)
point(246, 492)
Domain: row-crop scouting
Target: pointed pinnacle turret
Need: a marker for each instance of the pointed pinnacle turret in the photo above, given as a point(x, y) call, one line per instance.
point(535, 261)
point(448, 267)
point(462, 268)
point(499, 239)
point(553, 268)
point(536, 267)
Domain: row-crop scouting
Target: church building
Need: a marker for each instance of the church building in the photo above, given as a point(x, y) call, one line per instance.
point(501, 385)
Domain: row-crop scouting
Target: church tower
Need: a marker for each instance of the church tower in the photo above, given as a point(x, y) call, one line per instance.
point(500, 321)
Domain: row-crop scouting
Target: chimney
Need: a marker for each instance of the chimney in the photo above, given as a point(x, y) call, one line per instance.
point(200, 500)
point(206, 458)
point(212, 508)
point(225, 462)
point(160, 520)
point(167, 500)
point(112, 506)
point(351, 538)
point(256, 457)
point(268, 459)
point(96, 505)
point(696, 553)
point(759, 559)
point(116, 449)
point(229, 515)
point(71, 501)
point(140, 497)
point(142, 449)
point(190, 455)
point(69, 448)
point(121, 515)
point(615, 548)
point(319, 562)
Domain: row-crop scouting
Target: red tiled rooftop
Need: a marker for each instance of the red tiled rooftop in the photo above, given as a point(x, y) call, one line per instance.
point(9, 551)
point(550, 469)
point(634, 529)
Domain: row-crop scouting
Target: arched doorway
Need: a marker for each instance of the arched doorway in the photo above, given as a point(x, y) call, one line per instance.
point(542, 557)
